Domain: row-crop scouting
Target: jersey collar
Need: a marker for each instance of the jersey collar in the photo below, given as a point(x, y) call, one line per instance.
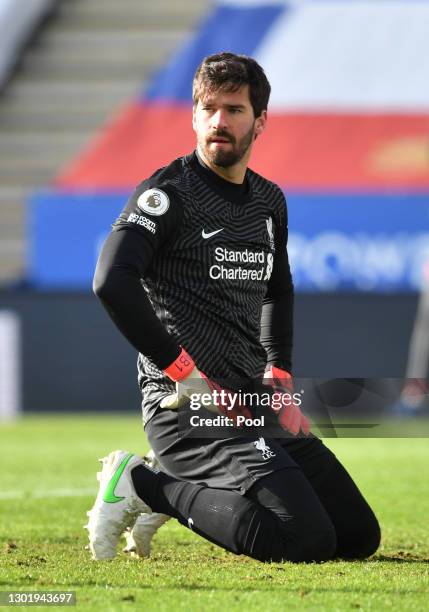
point(238, 194)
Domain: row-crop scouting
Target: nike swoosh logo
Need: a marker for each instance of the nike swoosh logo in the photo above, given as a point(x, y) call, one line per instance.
point(210, 234)
point(109, 494)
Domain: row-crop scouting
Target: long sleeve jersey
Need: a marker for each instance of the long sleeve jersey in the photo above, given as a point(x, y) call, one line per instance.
point(197, 261)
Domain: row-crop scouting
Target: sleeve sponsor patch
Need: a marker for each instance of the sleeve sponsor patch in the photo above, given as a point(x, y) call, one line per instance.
point(143, 221)
point(154, 202)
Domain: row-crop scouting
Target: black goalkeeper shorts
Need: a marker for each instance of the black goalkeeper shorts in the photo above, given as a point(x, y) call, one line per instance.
point(234, 463)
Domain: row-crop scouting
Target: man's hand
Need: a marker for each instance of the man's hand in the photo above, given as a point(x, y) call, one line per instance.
point(196, 383)
point(193, 383)
point(289, 415)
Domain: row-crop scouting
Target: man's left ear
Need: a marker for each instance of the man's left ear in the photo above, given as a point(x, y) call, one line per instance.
point(260, 123)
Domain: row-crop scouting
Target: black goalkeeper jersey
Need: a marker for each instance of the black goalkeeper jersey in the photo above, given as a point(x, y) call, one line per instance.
point(202, 257)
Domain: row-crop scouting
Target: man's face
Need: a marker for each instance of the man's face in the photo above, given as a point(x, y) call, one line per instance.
point(226, 126)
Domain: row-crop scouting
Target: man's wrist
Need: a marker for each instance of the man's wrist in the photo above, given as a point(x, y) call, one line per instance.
point(181, 367)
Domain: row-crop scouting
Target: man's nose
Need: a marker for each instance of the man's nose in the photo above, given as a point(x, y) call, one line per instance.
point(219, 120)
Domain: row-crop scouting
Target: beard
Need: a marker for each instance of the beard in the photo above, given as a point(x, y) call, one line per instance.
point(222, 158)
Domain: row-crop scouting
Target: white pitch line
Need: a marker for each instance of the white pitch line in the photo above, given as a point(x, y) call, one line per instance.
point(45, 494)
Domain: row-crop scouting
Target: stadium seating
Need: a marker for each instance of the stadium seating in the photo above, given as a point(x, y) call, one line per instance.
point(84, 63)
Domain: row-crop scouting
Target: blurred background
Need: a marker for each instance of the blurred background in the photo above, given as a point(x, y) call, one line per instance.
point(96, 95)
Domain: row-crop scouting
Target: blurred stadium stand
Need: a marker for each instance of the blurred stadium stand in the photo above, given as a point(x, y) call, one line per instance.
point(18, 23)
point(347, 139)
point(88, 59)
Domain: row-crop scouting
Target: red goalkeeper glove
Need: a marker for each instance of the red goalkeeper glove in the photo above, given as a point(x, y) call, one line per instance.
point(191, 381)
point(289, 414)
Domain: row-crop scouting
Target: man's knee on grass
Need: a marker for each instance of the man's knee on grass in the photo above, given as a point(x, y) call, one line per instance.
point(362, 541)
point(271, 540)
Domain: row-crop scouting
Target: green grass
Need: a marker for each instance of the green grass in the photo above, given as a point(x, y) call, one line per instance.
point(42, 540)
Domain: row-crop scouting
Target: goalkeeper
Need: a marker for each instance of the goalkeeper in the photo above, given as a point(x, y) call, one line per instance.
point(195, 274)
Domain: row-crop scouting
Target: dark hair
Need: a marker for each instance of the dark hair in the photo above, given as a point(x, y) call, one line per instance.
point(229, 72)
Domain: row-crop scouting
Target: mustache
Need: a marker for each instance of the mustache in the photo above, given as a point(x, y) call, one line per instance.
point(222, 134)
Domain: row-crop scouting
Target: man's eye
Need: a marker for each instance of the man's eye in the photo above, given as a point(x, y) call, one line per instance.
point(235, 110)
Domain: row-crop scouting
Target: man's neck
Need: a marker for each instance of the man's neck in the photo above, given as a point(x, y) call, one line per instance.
point(233, 174)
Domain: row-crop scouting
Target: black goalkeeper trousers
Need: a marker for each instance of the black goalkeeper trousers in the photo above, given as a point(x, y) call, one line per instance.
point(309, 509)
point(314, 521)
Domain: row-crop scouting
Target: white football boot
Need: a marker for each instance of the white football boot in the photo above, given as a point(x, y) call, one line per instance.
point(117, 504)
point(140, 536)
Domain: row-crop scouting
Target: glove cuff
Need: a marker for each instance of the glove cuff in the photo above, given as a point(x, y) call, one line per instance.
point(275, 372)
point(181, 367)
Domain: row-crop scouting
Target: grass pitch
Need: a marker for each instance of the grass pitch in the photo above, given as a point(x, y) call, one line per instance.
point(48, 482)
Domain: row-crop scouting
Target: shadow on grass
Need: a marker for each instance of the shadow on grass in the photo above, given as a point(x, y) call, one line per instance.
point(400, 557)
